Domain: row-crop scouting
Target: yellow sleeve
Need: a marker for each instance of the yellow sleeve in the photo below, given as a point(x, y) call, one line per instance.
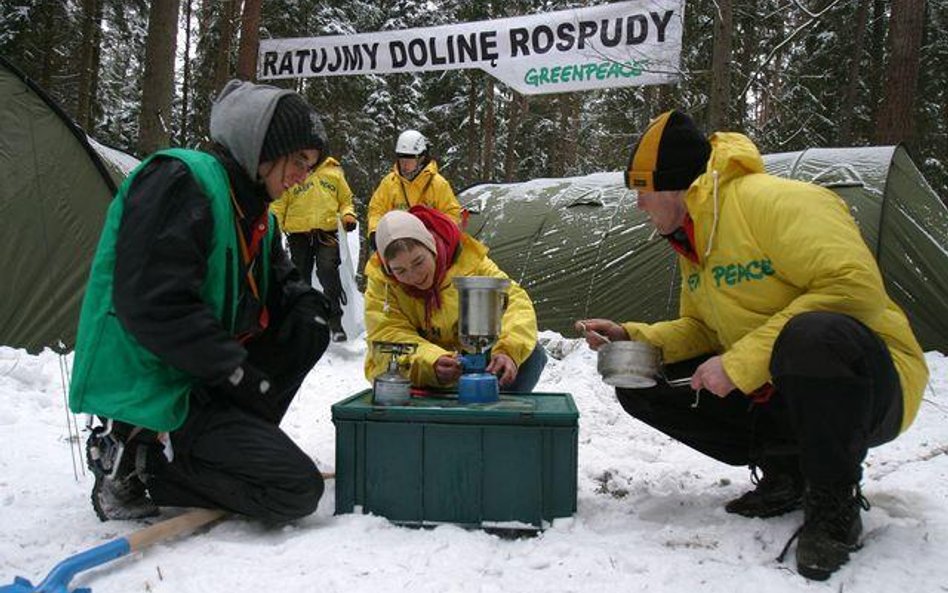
point(679, 339)
point(444, 198)
point(518, 328)
point(386, 322)
point(813, 242)
point(378, 205)
point(344, 196)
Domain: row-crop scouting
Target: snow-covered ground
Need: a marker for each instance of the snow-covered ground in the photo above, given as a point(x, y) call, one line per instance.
point(649, 515)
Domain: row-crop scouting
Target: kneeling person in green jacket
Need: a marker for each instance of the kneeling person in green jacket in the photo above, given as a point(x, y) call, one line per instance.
point(196, 331)
point(411, 298)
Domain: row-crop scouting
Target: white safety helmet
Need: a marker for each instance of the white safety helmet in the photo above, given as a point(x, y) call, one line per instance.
point(411, 143)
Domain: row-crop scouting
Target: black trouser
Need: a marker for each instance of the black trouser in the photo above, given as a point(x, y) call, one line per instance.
point(226, 457)
point(837, 393)
point(322, 248)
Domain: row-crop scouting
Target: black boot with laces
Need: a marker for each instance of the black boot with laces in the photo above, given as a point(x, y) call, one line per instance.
point(118, 491)
point(779, 490)
point(831, 529)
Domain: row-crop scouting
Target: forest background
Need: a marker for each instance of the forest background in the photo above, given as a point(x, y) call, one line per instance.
point(792, 74)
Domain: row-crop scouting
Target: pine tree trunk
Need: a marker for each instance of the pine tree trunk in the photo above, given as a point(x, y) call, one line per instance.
point(472, 141)
point(487, 160)
point(748, 42)
point(186, 75)
point(94, 106)
point(158, 84)
point(249, 40)
point(876, 59)
point(222, 59)
point(88, 69)
point(897, 117)
point(721, 67)
point(847, 110)
point(518, 109)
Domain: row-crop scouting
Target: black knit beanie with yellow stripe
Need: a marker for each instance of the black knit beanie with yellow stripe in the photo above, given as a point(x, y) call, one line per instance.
point(670, 155)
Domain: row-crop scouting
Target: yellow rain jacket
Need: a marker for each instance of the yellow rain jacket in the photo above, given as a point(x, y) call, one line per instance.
point(397, 193)
point(770, 248)
point(316, 202)
point(392, 315)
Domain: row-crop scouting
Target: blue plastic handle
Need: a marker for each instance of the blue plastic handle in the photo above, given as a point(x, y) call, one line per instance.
point(57, 581)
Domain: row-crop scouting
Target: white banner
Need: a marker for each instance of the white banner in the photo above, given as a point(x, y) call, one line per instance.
point(628, 43)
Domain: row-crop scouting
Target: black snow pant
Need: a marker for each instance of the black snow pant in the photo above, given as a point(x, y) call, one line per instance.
point(321, 248)
point(836, 394)
point(226, 457)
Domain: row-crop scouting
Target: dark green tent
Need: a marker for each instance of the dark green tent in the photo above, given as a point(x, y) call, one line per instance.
point(581, 249)
point(53, 198)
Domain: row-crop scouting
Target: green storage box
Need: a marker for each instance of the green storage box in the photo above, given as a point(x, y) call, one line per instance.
point(507, 464)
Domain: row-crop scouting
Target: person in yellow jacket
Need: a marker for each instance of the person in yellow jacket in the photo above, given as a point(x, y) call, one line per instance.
point(309, 213)
point(799, 360)
point(414, 180)
point(410, 298)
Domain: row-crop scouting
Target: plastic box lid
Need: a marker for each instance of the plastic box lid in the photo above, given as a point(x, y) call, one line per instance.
point(543, 409)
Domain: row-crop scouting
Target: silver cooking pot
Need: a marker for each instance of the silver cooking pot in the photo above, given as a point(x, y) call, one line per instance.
point(629, 364)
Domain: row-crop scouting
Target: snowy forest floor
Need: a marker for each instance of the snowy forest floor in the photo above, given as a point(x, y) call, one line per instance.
point(650, 511)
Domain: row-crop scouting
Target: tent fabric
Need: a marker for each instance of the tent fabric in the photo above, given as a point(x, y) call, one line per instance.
point(53, 199)
point(581, 249)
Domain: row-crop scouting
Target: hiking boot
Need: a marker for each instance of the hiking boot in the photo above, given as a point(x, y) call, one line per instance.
point(775, 493)
point(336, 333)
point(118, 491)
point(831, 529)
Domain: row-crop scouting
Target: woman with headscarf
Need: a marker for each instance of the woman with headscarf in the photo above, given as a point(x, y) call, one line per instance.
point(411, 298)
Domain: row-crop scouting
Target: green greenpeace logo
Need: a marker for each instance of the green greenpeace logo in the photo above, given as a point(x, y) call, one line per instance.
point(583, 71)
point(732, 274)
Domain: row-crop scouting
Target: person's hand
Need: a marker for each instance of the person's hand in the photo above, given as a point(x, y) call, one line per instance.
point(604, 328)
point(504, 367)
point(447, 369)
point(349, 223)
point(712, 377)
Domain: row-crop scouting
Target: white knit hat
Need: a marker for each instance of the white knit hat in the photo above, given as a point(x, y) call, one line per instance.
point(399, 224)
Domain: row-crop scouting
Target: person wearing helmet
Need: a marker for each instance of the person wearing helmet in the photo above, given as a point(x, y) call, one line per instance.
point(309, 213)
point(414, 180)
point(196, 330)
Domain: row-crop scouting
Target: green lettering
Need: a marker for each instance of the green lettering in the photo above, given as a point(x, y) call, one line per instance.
point(555, 74)
point(766, 268)
point(718, 272)
point(544, 75)
point(755, 275)
point(730, 276)
point(531, 77)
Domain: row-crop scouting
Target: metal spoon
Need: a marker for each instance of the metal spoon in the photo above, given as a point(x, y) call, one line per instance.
point(602, 337)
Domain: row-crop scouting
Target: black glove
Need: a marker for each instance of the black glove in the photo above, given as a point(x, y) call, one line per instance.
point(248, 387)
point(309, 313)
point(349, 223)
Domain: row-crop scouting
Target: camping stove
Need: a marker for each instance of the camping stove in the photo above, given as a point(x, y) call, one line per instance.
point(392, 388)
point(482, 301)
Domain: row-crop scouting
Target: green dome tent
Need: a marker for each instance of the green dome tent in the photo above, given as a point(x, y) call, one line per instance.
point(55, 190)
point(581, 249)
